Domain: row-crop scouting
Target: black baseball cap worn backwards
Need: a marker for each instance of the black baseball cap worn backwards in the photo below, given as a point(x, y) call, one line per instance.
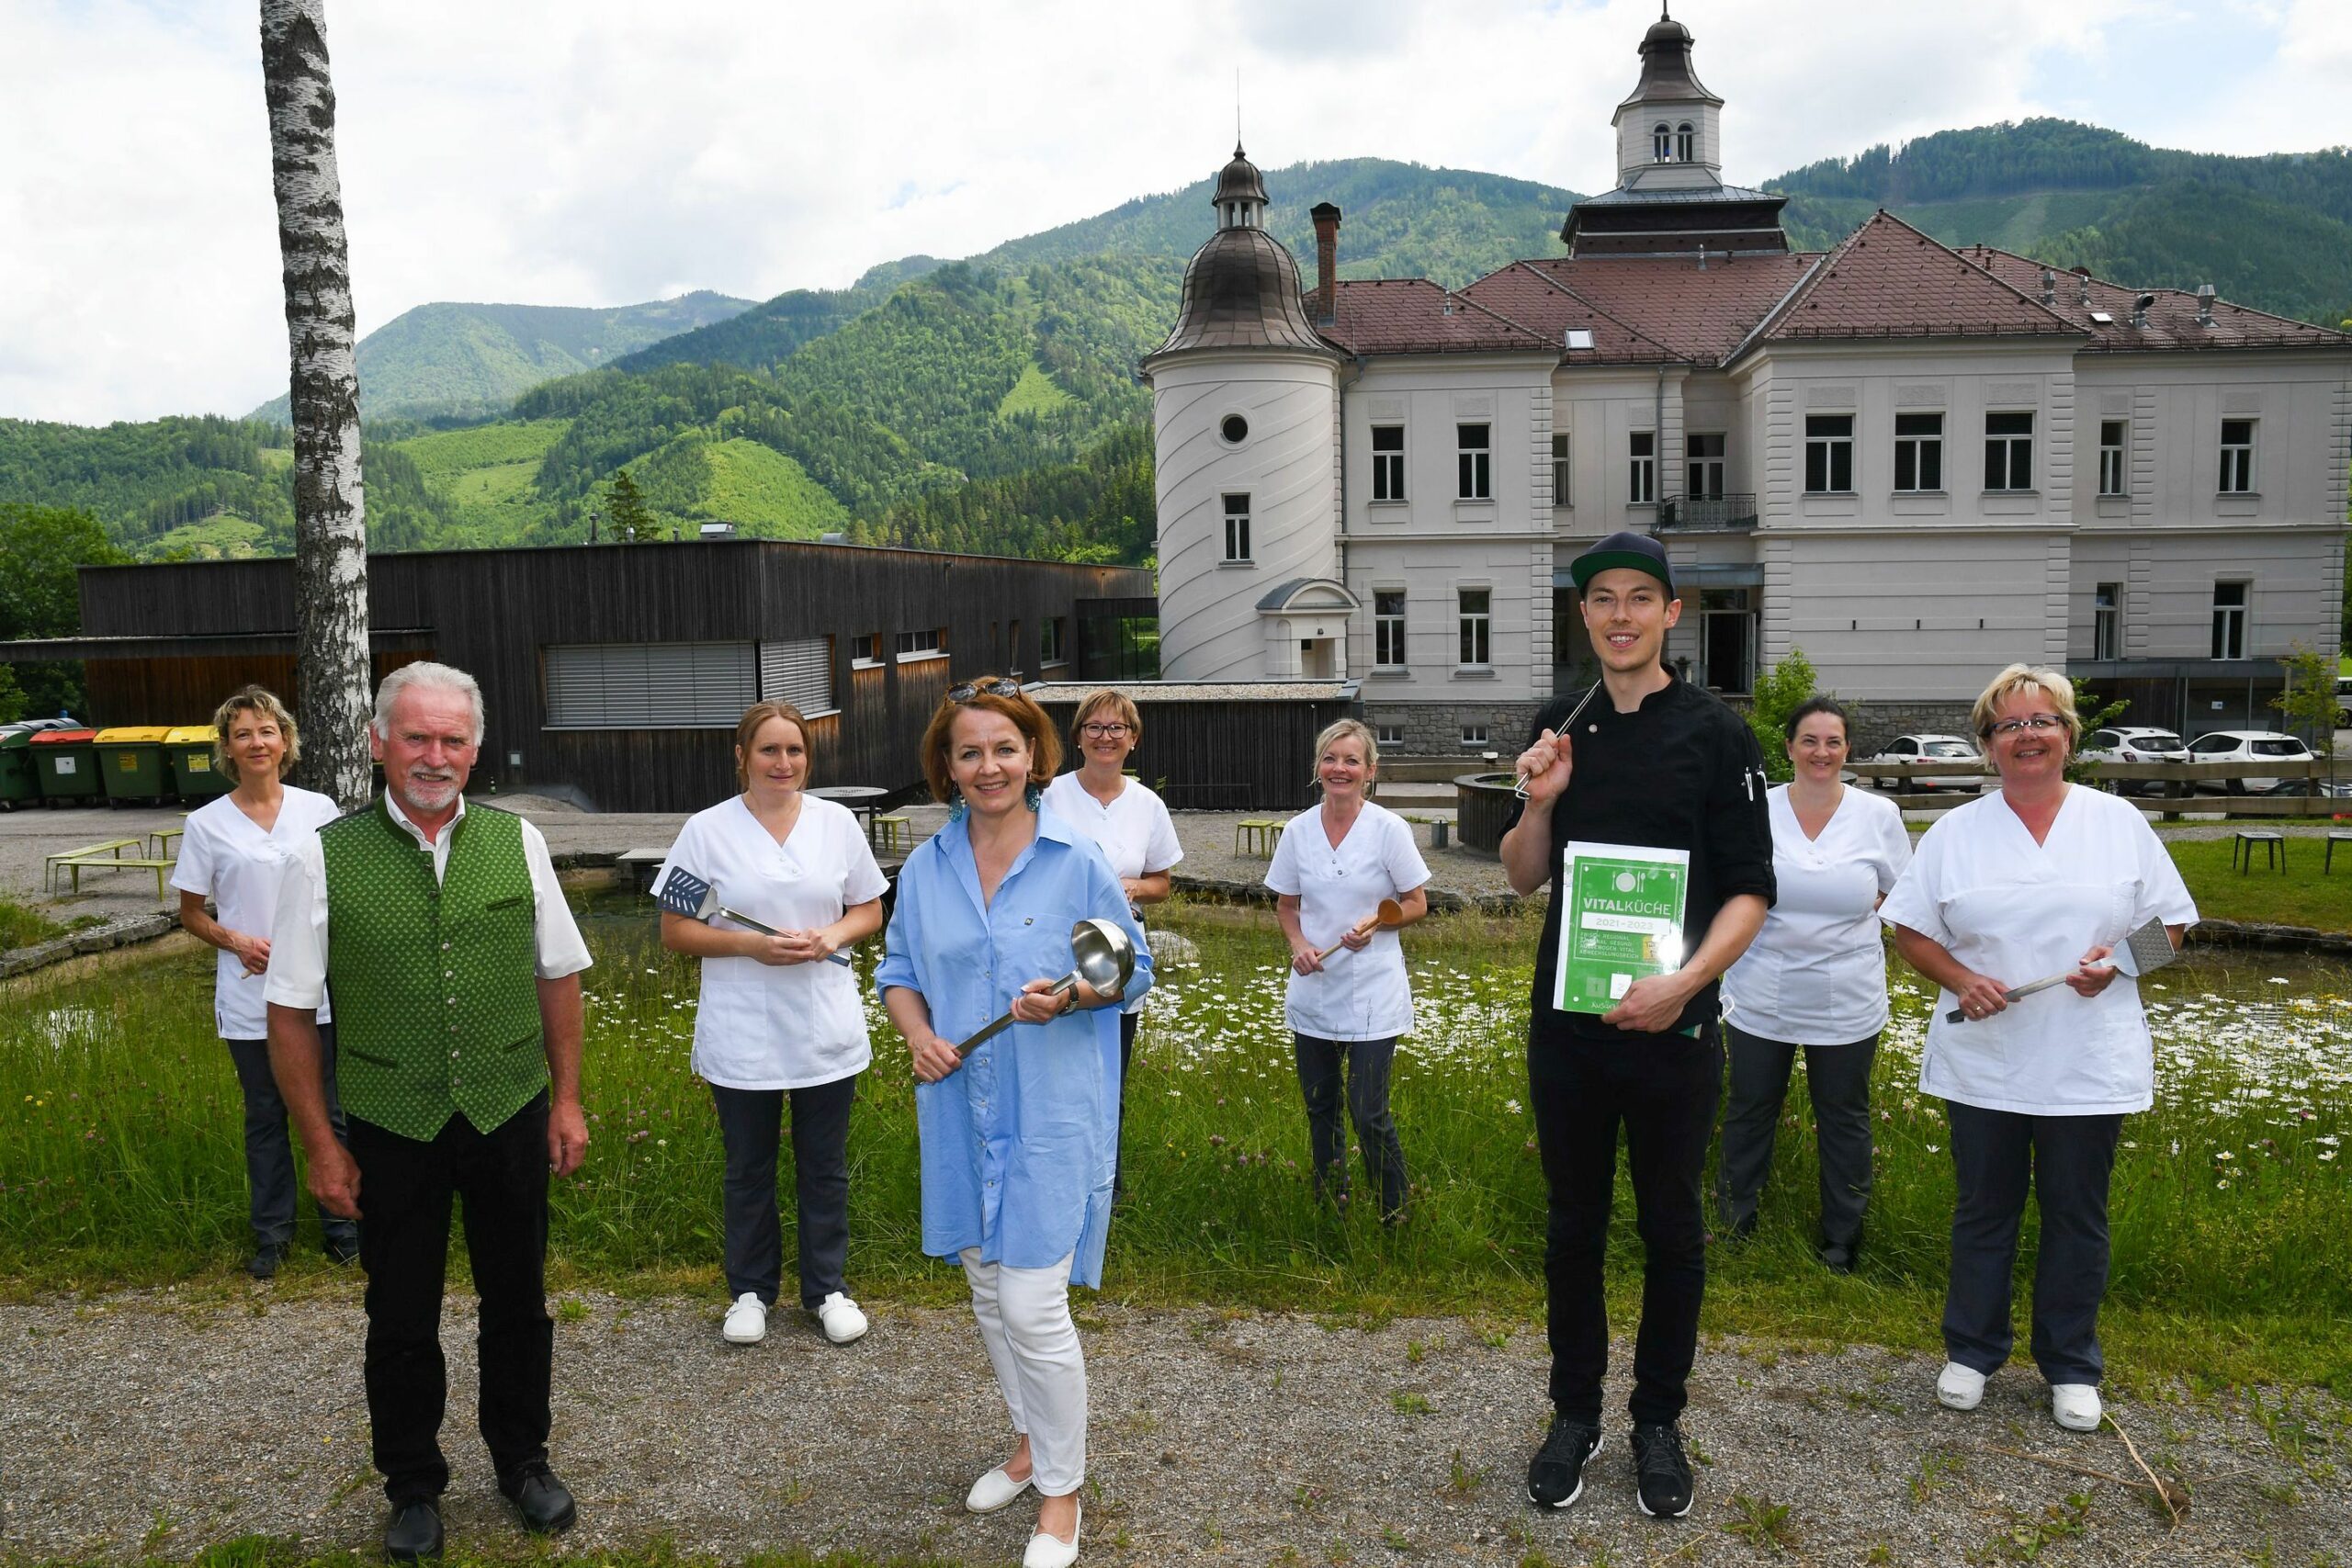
point(1638, 551)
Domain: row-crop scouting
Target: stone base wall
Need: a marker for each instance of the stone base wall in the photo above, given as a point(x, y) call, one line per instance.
point(1434, 729)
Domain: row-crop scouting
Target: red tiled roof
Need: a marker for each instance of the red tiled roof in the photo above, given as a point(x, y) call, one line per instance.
point(1532, 298)
point(2172, 319)
point(1887, 279)
point(1413, 315)
point(1697, 315)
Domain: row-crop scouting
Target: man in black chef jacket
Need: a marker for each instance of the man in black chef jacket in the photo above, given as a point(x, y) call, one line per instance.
point(1656, 761)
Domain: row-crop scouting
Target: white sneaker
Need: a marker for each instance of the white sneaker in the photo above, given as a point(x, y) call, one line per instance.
point(2075, 1405)
point(747, 1321)
point(840, 1318)
point(996, 1489)
point(1052, 1551)
point(1959, 1387)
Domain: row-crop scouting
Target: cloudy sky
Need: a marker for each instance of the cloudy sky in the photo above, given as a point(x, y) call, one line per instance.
point(602, 151)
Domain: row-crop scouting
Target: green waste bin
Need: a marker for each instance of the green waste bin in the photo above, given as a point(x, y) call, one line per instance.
point(68, 766)
point(187, 750)
point(131, 757)
point(19, 780)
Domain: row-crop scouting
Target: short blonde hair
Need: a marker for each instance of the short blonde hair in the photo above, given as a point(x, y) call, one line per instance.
point(1348, 729)
point(1118, 702)
point(2019, 678)
point(260, 700)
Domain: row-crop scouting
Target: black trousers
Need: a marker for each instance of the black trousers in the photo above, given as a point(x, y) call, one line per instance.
point(269, 1152)
point(1661, 1090)
point(405, 1188)
point(751, 1123)
point(1367, 1065)
point(2067, 1161)
point(1128, 1022)
point(1839, 1076)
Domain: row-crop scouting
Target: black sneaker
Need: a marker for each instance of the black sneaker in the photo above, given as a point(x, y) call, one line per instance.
point(1660, 1471)
point(1555, 1475)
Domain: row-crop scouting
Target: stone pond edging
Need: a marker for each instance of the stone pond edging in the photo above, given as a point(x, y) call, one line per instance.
point(127, 930)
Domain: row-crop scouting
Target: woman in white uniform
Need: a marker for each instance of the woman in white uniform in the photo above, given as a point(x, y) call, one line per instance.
point(234, 853)
point(779, 1018)
point(1334, 865)
point(1130, 825)
point(1815, 977)
point(2035, 879)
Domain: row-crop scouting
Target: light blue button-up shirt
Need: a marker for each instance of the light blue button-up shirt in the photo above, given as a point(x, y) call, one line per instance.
point(1018, 1143)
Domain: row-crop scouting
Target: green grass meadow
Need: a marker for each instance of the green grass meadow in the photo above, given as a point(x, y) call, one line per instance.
point(120, 1158)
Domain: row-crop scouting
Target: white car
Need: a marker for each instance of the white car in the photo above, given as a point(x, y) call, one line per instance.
point(1930, 748)
point(2248, 746)
point(2135, 743)
point(2344, 702)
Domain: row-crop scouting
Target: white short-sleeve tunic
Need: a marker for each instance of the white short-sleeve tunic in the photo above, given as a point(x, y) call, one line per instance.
point(1356, 996)
point(226, 856)
point(2016, 911)
point(1134, 832)
point(761, 1026)
point(1816, 973)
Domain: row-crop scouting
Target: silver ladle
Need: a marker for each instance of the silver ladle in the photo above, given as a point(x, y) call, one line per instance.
point(1100, 954)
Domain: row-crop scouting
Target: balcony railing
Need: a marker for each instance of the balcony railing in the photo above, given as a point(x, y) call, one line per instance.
point(1706, 513)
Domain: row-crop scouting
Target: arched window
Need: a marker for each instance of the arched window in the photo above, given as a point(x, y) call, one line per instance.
point(1682, 142)
point(1661, 144)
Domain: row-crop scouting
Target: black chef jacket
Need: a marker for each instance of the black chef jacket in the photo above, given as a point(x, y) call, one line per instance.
point(1682, 771)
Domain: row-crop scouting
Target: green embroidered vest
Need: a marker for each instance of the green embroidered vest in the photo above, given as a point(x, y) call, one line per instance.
point(436, 1004)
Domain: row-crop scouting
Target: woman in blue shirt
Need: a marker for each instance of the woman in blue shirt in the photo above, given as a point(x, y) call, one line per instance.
point(1018, 1138)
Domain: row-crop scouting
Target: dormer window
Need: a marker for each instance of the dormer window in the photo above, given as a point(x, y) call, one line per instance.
point(1662, 143)
point(1682, 142)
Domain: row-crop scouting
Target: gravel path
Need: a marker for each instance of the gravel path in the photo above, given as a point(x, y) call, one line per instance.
point(157, 1423)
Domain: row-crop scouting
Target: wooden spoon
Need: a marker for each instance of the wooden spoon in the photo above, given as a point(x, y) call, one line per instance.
point(1387, 918)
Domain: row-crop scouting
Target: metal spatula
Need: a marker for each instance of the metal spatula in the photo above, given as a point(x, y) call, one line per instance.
point(686, 894)
point(2149, 948)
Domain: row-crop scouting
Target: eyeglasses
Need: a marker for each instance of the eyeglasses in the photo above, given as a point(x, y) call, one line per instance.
point(2041, 723)
point(1103, 731)
point(970, 689)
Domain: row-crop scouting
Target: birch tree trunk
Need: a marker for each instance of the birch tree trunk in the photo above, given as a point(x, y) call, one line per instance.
point(331, 662)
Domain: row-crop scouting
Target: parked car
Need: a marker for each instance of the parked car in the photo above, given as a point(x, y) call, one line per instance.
point(2344, 702)
point(2136, 743)
point(1931, 749)
point(2248, 746)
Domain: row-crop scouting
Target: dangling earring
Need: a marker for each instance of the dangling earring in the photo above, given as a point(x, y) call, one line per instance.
point(956, 809)
point(1032, 795)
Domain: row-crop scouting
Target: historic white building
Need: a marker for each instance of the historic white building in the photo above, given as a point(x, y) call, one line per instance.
point(1914, 463)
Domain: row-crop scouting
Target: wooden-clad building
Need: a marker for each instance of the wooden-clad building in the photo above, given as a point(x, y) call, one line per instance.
point(615, 672)
point(1219, 745)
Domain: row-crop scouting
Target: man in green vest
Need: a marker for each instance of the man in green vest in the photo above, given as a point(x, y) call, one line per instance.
point(455, 965)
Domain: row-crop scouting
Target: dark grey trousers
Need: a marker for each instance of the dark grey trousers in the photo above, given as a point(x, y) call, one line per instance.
point(2067, 1161)
point(751, 1123)
point(1367, 1063)
point(269, 1152)
point(1839, 1076)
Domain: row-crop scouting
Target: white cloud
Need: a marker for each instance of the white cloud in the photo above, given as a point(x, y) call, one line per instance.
point(600, 151)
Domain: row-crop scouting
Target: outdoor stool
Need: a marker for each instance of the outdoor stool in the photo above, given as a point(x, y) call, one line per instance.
point(889, 830)
point(2336, 836)
point(1261, 833)
point(2274, 850)
point(162, 842)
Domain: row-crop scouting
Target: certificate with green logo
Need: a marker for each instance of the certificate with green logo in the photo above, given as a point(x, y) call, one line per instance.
point(1622, 920)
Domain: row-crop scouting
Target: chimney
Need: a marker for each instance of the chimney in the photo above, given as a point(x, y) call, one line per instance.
point(2140, 308)
point(2048, 287)
point(1326, 261)
point(2083, 286)
point(2204, 304)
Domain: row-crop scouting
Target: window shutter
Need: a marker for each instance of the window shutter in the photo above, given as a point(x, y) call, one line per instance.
point(651, 685)
point(798, 671)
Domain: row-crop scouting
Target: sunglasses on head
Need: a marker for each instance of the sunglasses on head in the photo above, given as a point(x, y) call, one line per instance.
point(970, 689)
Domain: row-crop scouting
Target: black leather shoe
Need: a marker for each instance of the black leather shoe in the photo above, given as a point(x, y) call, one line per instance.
point(414, 1532)
point(1840, 1258)
point(544, 1502)
point(262, 1264)
point(343, 1249)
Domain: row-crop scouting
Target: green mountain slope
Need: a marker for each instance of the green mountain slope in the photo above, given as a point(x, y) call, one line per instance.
point(470, 360)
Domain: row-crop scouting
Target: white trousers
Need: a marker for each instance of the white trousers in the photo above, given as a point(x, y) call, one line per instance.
point(1025, 1322)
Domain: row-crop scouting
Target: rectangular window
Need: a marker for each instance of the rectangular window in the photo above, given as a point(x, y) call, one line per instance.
point(2112, 440)
point(866, 651)
point(1703, 456)
point(2008, 451)
point(1473, 457)
point(2229, 620)
point(1918, 451)
point(1473, 735)
point(1388, 462)
point(1828, 452)
point(2237, 457)
point(2107, 621)
point(1478, 621)
point(932, 644)
point(1236, 527)
point(1388, 628)
point(651, 685)
point(1388, 734)
point(800, 670)
point(1051, 646)
point(1641, 478)
point(1561, 494)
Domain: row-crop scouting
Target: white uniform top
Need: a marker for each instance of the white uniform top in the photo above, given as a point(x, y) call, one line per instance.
point(1358, 996)
point(2018, 911)
point(1134, 832)
point(761, 1026)
point(225, 856)
point(1816, 973)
